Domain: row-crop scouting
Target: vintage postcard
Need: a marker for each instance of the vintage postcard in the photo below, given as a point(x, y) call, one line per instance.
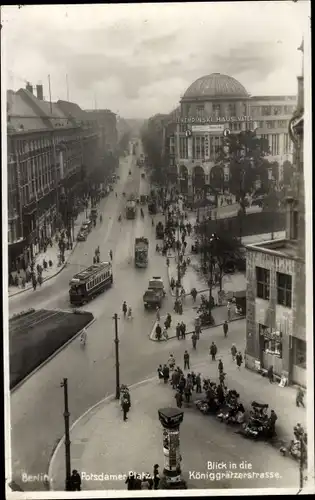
point(157, 228)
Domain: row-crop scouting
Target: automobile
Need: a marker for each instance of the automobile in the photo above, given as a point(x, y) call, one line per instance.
point(86, 226)
point(259, 201)
point(156, 283)
point(82, 236)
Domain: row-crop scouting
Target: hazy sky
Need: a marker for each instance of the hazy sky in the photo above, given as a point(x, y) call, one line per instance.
point(138, 60)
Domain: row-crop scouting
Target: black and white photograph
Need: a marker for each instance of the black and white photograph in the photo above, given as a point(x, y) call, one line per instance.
point(157, 249)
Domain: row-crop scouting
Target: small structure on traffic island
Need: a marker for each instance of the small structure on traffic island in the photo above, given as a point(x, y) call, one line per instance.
point(171, 418)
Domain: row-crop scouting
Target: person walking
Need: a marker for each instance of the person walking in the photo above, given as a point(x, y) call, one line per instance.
point(220, 366)
point(198, 383)
point(158, 332)
point(156, 477)
point(75, 481)
point(213, 351)
point(175, 379)
point(183, 330)
point(111, 254)
point(130, 481)
point(178, 331)
point(239, 359)
point(233, 351)
point(124, 308)
point(83, 337)
point(160, 372)
point(179, 399)
point(166, 373)
point(125, 407)
point(225, 328)
point(300, 397)
point(194, 340)
point(186, 360)
point(270, 374)
point(187, 392)
point(229, 308)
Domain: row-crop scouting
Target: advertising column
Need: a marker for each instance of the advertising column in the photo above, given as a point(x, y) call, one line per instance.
point(171, 419)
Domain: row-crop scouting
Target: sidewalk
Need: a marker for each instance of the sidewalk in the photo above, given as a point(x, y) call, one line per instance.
point(50, 254)
point(104, 448)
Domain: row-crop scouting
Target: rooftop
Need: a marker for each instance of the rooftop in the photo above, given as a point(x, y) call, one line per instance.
point(278, 248)
point(215, 86)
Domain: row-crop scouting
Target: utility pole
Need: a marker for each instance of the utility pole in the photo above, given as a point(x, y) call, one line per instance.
point(49, 86)
point(66, 415)
point(117, 356)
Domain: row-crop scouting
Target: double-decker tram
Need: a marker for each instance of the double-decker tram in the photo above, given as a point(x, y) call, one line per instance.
point(88, 283)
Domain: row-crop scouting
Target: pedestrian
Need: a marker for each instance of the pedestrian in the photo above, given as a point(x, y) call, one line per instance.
point(178, 331)
point(187, 392)
point(186, 360)
point(194, 340)
point(233, 352)
point(156, 476)
point(111, 254)
point(229, 307)
point(34, 283)
point(158, 315)
point(124, 308)
point(130, 481)
point(239, 359)
point(158, 332)
point(198, 383)
point(213, 351)
point(225, 328)
point(179, 399)
point(160, 372)
point(183, 330)
point(75, 481)
point(175, 379)
point(166, 373)
point(300, 397)
point(125, 407)
point(222, 378)
point(270, 374)
point(220, 366)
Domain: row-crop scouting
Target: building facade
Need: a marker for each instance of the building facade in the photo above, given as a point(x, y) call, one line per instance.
point(211, 105)
point(49, 149)
point(276, 334)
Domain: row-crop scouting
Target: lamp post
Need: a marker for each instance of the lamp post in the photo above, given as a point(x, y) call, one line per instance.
point(115, 317)
point(212, 239)
point(66, 415)
point(241, 202)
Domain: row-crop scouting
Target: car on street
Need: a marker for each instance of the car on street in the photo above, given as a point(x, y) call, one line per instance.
point(82, 236)
point(86, 226)
point(259, 201)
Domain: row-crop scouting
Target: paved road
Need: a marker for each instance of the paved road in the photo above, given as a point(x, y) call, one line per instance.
point(37, 406)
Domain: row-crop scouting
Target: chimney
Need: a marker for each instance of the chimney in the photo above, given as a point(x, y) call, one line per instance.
point(39, 92)
point(29, 87)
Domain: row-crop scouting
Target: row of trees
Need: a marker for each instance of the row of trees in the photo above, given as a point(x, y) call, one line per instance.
point(152, 138)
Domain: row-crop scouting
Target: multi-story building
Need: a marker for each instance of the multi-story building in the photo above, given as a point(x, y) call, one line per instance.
point(276, 334)
point(272, 115)
point(48, 149)
point(211, 105)
point(107, 124)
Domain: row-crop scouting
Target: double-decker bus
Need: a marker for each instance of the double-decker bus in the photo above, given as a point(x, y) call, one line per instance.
point(88, 283)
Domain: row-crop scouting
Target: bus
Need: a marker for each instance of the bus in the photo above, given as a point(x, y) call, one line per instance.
point(88, 283)
point(131, 209)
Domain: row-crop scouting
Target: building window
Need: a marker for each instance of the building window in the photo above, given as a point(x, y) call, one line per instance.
point(299, 352)
point(183, 147)
point(200, 110)
point(277, 110)
point(275, 144)
point(231, 110)
point(282, 124)
point(172, 146)
point(266, 110)
point(284, 289)
point(263, 283)
point(288, 110)
point(287, 144)
point(216, 110)
point(183, 127)
point(270, 124)
point(198, 144)
point(272, 340)
point(295, 225)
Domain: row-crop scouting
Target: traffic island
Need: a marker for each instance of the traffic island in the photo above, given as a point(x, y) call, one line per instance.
point(36, 335)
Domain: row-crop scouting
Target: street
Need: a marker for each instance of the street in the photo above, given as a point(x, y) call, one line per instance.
point(37, 406)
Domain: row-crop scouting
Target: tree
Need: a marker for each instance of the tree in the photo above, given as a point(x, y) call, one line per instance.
point(245, 154)
point(220, 252)
point(288, 173)
point(124, 142)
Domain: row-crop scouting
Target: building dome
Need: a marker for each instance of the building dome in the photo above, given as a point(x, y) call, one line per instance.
point(215, 86)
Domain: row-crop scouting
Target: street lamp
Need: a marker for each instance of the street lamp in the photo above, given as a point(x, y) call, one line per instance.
point(66, 415)
point(115, 317)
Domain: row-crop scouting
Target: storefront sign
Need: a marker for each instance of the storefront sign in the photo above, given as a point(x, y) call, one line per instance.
point(213, 119)
point(208, 128)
